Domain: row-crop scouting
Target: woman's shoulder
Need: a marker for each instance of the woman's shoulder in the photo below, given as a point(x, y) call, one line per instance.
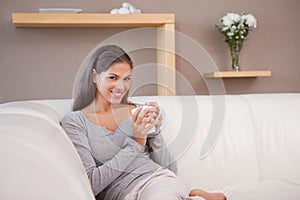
point(74, 121)
point(72, 116)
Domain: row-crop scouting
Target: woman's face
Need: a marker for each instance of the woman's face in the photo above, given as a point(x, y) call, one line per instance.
point(114, 83)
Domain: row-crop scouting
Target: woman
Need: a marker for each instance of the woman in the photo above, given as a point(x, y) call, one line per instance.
point(120, 160)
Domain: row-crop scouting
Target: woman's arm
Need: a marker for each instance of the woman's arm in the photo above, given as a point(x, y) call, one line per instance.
point(100, 177)
point(159, 152)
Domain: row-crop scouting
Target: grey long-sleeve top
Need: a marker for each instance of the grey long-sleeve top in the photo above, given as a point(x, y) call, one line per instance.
point(114, 161)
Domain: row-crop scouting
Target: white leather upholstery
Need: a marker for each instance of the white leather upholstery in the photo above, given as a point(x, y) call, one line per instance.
point(232, 142)
point(38, 161)
point(258, 139)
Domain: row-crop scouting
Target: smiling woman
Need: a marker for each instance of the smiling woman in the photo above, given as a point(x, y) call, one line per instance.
point(121, 159)
point(102, 62)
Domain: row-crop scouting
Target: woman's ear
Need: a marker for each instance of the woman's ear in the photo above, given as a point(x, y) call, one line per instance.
point(94, 75)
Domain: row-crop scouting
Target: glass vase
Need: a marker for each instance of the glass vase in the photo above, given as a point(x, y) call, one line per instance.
point(235, 49)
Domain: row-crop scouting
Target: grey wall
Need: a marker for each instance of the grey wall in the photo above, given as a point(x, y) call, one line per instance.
point(42, 63)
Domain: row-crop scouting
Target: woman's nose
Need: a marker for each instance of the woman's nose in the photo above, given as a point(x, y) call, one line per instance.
point(120, 85)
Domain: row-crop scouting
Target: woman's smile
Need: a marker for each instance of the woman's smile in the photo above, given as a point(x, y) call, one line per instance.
point(117, 94)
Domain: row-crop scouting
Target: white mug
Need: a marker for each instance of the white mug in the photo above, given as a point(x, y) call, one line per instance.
point(152, 130)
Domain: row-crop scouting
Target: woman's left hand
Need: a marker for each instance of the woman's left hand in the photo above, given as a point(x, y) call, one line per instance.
point(159, 120)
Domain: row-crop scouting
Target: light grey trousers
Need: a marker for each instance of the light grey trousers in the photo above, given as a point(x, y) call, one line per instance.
point(162, 184)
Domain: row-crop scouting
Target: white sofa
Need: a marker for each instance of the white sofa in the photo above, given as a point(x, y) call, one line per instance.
point(247, 146)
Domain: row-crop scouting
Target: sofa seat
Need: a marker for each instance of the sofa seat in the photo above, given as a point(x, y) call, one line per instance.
point(273, 190)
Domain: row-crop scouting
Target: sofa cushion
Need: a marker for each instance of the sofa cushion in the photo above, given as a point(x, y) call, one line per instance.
point(273, 189)
point(31, 108)
point(256, 138)
point(38, 161)
point(192, 121)
point(277, 132)
point(38, 109)
point(61, 106)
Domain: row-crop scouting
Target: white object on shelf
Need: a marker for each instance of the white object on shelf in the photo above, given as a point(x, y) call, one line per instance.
point(126, 8)
point(114, 11)
point(124, 11)
point(60, 10)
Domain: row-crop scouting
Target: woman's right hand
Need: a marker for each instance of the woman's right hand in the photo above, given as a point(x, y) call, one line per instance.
point(142, 123)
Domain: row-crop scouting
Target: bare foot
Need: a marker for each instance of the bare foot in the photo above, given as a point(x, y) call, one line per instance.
point(207, 195)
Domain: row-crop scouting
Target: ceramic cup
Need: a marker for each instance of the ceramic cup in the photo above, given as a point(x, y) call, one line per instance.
point(152, 130)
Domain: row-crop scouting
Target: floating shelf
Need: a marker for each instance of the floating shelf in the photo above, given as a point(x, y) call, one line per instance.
point(90, 20)
point(165, 24)
point(238, 74)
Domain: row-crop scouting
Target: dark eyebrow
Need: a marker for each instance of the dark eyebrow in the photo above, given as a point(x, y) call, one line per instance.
point(112, 74)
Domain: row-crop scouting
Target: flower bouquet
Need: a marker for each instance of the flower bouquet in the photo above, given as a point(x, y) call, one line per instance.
point(236, 28)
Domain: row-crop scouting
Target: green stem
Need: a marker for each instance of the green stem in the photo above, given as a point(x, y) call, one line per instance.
point(235, 48)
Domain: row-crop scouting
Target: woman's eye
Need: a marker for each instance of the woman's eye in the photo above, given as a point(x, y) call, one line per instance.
point(127, 79)
point(112, 77)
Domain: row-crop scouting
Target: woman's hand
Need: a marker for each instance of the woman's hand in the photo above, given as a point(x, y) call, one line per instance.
point(156, 114)
point(143, 120)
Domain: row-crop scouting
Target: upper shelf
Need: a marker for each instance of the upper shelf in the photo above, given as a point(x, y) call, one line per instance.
point(238, 74)
point(90, 20)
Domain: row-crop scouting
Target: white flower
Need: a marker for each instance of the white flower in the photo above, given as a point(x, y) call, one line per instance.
point(226, 21)
point(230, 34)
point(251, 21)
point(235, 26)
point(225, 28)
point(241, 25)
point(234, 17)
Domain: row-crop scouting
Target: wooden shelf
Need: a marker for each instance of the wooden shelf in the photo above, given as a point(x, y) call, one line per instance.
point(238, 74)
point(165, 23)
point(90, 20)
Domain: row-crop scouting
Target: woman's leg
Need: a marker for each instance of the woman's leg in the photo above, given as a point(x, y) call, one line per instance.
point(164, 188)
point(165, 185)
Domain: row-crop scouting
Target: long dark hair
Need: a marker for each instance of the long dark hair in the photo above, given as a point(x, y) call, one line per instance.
point(100, 59)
